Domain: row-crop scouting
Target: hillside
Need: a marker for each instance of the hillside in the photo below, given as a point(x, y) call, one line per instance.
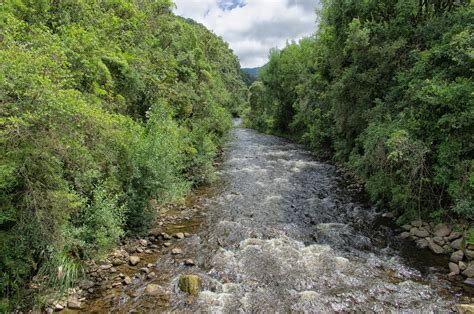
point(108, 109)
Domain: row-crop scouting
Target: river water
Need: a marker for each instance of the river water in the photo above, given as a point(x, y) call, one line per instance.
point(281, 233)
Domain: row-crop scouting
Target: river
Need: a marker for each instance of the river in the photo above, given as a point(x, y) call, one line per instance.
point(280, 232)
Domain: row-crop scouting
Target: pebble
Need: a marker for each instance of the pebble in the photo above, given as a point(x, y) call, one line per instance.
point(176, 251)
point(189, 262)
point(167, 244)
point(151, 275)
point(73, 304)
point(179, 235)
point(144, 270)
point(133, 260)
point(165, 236)
point(58, 307)
point(127, 280)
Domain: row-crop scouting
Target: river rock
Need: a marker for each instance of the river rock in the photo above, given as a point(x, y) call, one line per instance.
point(406, 227)
point(469, 281)
point(469, 254)
point(49, 311)
point(145, 270)
point(457, 256)
point(453, 268)
point(465, 308)
point(179, 235)
point(421, 233)
point(86, 284)
point(439, 240)
point(151, 275)
point(417, 223)
point(462, 266)
point(143, 242)
point(133, 260)
point(167, 244)
point(58, 307)
point(73, 304)
point(405, 235)
point(422, 243)
point(435, 248)
point(189, 262)
point(127, 280)
point(105, 267)
point(441, 230)
point(117, 262)
point(154, 232)
point(454, 235)
point(190, 284)
point(469, 272)
point(456, 244)
point(176, 251)
point(154, 290)
point(165, 236)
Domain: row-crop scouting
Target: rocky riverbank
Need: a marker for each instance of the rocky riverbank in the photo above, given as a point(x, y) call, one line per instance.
point(444, 239)
point(134, 262)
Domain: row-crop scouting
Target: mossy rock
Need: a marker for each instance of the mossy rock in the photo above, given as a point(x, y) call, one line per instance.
point(190, 284)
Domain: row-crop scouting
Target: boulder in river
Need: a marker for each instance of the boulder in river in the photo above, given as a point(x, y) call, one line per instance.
point(190, 284)
point(133, 260)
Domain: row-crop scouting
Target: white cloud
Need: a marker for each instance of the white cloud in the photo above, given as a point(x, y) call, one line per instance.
point(253, 27)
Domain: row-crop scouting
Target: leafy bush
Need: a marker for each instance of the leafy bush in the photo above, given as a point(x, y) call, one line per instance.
point(385, 87)
point(104, 107)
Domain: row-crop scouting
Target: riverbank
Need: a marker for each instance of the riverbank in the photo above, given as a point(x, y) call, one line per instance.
point(281, 232)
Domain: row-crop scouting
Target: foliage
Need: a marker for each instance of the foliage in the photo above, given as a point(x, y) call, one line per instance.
point(104, 106)
point(387, 87)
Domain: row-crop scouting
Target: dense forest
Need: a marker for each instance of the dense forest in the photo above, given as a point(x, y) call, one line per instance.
point(385, 87)
point(107, 109)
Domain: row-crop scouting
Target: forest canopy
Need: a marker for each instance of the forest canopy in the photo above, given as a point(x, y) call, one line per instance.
point(387, 88)
point(106, 108)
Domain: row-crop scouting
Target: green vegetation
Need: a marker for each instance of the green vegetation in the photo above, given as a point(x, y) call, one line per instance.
point(106, 107)
point(386, 87)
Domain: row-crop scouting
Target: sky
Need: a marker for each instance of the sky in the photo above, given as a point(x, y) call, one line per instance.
point(253, 27)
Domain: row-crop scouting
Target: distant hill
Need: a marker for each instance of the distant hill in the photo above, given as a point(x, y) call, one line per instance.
point(249, 75)
point(252, 71)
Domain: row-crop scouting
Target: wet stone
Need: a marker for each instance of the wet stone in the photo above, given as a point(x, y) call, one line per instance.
point(179, 235)
point(190, 284)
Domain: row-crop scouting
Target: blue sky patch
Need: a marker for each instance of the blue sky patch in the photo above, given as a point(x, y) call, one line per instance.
point(228, 5)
